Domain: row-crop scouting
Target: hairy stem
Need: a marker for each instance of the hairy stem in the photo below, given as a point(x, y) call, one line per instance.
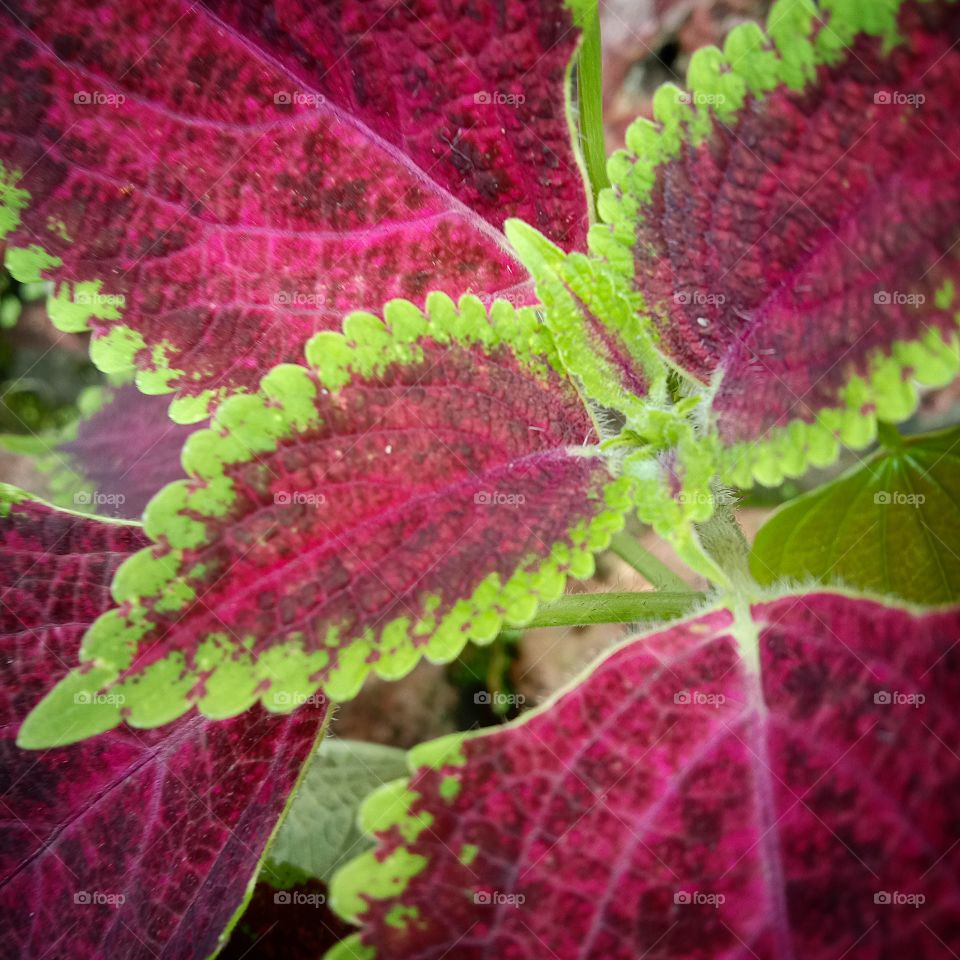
point(589, 97)
point(645, 563)
point(582, 609)
point(723, 541)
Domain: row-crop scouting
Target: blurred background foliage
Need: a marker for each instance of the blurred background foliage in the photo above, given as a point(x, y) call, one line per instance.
point(42, 371)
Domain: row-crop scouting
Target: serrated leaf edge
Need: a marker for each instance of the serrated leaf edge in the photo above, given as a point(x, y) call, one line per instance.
point(889, 392)
point(752, 62)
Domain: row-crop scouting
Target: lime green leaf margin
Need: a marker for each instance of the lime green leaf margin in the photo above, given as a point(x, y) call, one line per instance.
point(373, 876)
point(888, 393)
point(751, 63)
point(72, 305)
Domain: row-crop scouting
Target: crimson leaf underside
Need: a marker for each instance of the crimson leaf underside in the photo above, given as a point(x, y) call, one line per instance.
point(775, 784)
point(121, 450)
point(135, 841)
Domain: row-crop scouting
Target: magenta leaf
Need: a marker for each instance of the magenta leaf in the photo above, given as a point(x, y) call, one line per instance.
point(414, 487)
point(791, 224)
point(211, 183)
point(774, 784)
point(137, 843)
point(121, 450)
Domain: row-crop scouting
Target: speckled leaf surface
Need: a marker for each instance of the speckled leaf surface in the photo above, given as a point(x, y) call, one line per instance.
point(791, 224)
point(414, 487)
point(135, 843)
point(779, 784)
point(121, 450)
point(213, 182)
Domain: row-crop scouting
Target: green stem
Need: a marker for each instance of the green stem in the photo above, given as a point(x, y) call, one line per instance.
point(581, 609)
point(723, 545)
point(889, 437)
point(590, 103)
point(658, 573)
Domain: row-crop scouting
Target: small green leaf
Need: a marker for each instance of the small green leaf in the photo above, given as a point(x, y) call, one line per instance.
point(891, 525)
point(320, 831)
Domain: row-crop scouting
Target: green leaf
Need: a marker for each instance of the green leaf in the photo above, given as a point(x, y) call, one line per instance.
point(891, 525)
point(674, 491)
point(320, 831)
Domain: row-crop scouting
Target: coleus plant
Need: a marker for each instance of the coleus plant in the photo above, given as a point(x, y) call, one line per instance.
point(533, 351)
